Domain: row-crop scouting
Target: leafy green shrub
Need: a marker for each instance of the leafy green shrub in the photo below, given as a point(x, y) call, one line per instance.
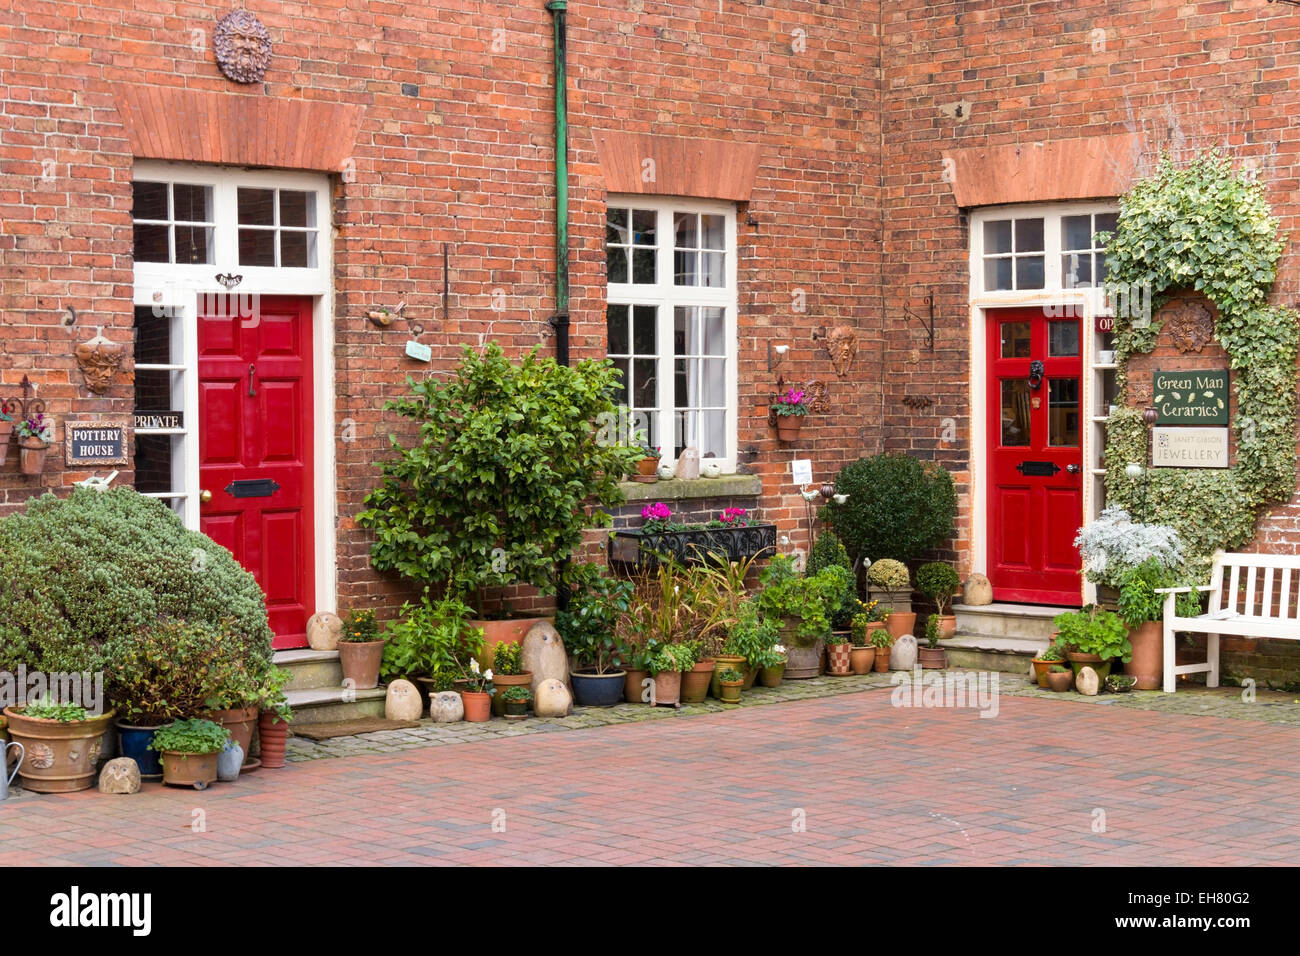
point(939, 582)
point(589, 626)
point(95, 567)
point(731, 676)
point(512, 465)
point(786, 594)
point(430, 638)
point(49, 710)
point(932, 630)
point(881, 638)
point(897, 507)
point(670, 657)
point(508, 659)
point(195, 736)
point(1094, 630)
point(829, 550)
point(888, 575)
point(360, 627)
point(752, 636)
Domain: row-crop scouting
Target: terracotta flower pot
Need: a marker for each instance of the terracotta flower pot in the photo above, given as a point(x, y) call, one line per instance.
point(60, 756)
point(32, 458)
point(1148, 660)
point(750, 676)
point(731, 691)
point(861, 659)
point(899, 623)
point(771, 676)
point(1040, 671)
point(932, 658)
point(503, 681)
point(240, 721)
point(515, 709)
point(1079, 661)
point(839, 659)
point(273, 733)
point(721, 663)
point(788, 427)
point(6, 433)
point(507, 631)
point(647, 471)
point(696, 682)
point(1060, 680)
point(189, 770)
point(881, 663)
point(478, 705)
point(634, 686)
point(668, 687)
point(360, 662)
point(947, 626)
point(802, 663)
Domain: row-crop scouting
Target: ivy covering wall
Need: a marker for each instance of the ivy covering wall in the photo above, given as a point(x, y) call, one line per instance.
point(1206, 227)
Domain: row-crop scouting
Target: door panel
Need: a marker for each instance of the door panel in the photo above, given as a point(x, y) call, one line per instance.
point(1034, 455)
point(256, 424)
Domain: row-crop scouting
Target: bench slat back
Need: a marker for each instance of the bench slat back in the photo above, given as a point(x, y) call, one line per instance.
point(1258, 585)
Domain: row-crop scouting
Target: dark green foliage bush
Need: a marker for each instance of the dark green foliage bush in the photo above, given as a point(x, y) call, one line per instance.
point(897, 507)
point(79, 571)
point(829, 550)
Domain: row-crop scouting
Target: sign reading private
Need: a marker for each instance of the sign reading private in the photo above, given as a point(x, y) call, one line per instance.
point(95, 443)
point(1189, 447)
point(1198, 397)
point(158, 420)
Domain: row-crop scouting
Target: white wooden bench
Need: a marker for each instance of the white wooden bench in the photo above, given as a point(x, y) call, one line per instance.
point(1260, 601)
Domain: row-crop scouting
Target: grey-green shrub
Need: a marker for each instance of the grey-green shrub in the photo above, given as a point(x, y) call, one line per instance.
point(79, 571)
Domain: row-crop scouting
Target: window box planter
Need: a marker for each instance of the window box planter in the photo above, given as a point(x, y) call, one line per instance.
point(693, 546)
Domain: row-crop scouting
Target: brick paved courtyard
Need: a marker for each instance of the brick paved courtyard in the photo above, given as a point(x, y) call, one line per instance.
point(872, 784)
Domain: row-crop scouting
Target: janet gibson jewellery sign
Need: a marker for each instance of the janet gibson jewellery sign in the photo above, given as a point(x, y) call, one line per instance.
point(1189, 448)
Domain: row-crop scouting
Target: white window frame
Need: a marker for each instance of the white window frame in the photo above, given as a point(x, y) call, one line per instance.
point(665, 296)
point(1085, 302)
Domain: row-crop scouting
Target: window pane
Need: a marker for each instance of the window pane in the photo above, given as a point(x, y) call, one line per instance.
point(149, 201)
point(1029, 272)
point(643, 266)
point(1062, 339)
point(1076, 232)
point(645, 331)
point(153, 462)
point(1101, 268)
point(617, 264)
point(1063, 409)
point(622, 391)
point(649, 421)
point(997, 274)
point(643, 383)
point(257, 247)
point(1105, 222)
point(256, 207)
point(1029, 235)
point(714, 232)
point(297, 208)
point(1015, 412)
point(151, 243)
point(1015, 340)
point(191, 203)
point(714, 322)
point(298, 249)
point(712, 383)
point(1076, 269)
point(711, 273)
point(194, 244)
point(616, 226)
point(685, 230)
point(643, 227)
point(153, 331)
point(153, 389)
point(713, 434)
point(616, 329)
point(684, 268)
point(997, 236)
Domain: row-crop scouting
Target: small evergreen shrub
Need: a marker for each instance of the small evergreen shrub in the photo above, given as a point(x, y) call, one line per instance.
point(828, 550)
point(897, 507)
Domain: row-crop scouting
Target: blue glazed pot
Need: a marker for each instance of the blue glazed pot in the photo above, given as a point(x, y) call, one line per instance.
point(134, 742)
point(597, 690)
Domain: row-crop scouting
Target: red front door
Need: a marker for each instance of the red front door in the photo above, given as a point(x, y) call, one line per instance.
point(255, 448)
point(1035, 456)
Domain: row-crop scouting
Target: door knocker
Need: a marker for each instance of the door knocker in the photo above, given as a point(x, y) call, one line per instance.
point(1036, 370)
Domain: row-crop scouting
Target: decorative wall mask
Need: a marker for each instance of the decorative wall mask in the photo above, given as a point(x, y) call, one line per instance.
point(1190, 325)
point(842, 343)
point(242, 46)
point(99, 360)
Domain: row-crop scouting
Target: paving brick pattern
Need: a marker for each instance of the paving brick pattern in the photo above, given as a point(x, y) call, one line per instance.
point(842, 778)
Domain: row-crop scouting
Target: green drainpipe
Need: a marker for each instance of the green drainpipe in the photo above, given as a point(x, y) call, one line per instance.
point(560, 321)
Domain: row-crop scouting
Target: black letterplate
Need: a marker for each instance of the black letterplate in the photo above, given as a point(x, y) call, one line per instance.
point(1038, 469)
point(252, 488)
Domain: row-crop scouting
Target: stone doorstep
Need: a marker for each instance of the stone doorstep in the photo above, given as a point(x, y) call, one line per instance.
point(327, 704)
point(309, 669)
point(1008, 655)
point(1027, 621)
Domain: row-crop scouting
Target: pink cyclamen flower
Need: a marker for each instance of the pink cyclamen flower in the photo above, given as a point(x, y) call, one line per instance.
point(656, 512)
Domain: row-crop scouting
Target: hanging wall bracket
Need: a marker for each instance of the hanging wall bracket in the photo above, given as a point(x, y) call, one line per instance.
point(928, 324)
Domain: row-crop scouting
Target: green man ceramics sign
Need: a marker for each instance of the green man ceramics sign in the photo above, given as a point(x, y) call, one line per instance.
point(1195, 397)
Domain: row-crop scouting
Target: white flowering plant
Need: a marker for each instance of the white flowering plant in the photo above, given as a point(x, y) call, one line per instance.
point(478, 681)
point(1114, 544)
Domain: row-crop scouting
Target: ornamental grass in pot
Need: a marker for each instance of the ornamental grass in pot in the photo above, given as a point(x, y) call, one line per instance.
point(361, 649)
point(61, 742)
point(589, 629)
point(1093, 637)
point(189, 750)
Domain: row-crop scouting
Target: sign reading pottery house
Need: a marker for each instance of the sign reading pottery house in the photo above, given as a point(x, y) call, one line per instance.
point(1189, 447)
point(95, 443)
point(1197, 397)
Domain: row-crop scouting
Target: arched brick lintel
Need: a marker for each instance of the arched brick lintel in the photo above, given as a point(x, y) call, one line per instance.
point(1093, 167)
point(200, 126)
point(700, 168)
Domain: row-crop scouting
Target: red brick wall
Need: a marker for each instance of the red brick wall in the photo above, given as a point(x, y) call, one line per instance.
point(1183, 76)
point(469, 161)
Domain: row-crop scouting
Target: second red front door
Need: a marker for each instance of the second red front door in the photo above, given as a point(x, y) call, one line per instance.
point(1035, 456)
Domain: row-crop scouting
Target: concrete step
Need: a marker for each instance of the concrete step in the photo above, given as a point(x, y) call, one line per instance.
point(1024, 621)
point(1009, 655)
point(310, 669)
point(326, 705)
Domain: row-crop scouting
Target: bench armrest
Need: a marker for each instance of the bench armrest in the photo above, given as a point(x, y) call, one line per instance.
point(1185, 590)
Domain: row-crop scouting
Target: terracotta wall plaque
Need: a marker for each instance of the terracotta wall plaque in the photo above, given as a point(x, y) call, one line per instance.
point(95, 443)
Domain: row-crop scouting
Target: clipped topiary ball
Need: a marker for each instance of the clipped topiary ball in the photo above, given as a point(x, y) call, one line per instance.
point(897, 507)
point(81, 570)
